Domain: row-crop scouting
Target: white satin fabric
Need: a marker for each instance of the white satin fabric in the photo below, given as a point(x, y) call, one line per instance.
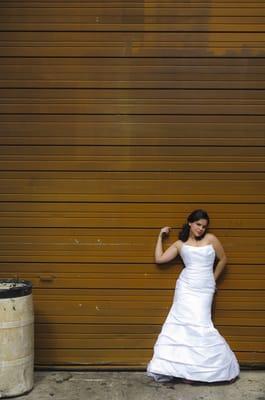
point(189, 346)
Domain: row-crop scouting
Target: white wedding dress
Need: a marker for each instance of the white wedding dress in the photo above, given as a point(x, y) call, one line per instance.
point(189, 346)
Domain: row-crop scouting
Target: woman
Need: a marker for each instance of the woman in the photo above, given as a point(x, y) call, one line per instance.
point(189, 346)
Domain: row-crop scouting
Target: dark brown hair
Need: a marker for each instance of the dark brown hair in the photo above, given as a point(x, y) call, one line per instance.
point(196, 215)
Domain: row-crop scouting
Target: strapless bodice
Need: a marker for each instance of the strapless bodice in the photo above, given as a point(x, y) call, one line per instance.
point(201, 257)
point(198, 261)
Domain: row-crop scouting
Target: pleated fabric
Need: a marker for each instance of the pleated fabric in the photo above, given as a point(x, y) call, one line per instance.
point(189, 346)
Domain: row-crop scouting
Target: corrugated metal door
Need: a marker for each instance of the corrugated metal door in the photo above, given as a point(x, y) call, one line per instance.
point(116, 118)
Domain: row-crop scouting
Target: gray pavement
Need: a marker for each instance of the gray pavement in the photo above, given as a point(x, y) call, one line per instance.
point(102, 385)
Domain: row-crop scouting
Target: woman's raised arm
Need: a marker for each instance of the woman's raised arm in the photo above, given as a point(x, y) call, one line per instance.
point(169, 254)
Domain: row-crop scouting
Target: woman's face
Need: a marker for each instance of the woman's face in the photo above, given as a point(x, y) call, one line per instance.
point(199, 227)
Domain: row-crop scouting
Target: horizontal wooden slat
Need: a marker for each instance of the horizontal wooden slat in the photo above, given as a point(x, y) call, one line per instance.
point(118, 37)
point(35, 254)
point(150, 24)
point(98, 245)
point(141, 233)
point(133, 342)
point(122, 268)
point(126, 108)
point(135, 158)
point(142, 187)
point(121, 317)
point(221, 8)
point(137, 130)
point(225, 299)
point(128, 359)
point(119, 81)
point(35, 137)
point(62, 330)
point(224, 124)
point(126, 215)
point(136, 50)
point(144, 277)
point(115, 133)
point(153, 81)
point(207, 66)
point(85, 235)
point(77, 177)
point(120, 16)
point(131, 153)
point(69, 64)
point(165, 198)
point(130, 281)
point(254, 109)
point(135, 176)
point(238, 69)
point(138, 102)
point(121, 163)
point(128, 3)
point(146, 71)
point(97, 220)
point(154, 20)
point(132, 44)
point(132, 73)
point(220, 214)
point(92, 357)
point(68, 96)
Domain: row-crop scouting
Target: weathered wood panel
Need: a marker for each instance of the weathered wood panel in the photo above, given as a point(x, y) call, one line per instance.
point(116, 118)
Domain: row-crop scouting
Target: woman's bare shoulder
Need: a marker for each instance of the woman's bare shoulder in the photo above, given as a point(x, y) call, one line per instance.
point(211, 238)
point(178, 244)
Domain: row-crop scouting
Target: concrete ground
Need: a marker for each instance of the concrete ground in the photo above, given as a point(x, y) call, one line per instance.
point(99, 385)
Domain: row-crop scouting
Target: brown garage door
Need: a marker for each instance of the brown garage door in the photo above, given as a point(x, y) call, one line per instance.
point(116, 118)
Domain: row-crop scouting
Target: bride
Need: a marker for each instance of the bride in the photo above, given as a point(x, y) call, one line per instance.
point(189, 346)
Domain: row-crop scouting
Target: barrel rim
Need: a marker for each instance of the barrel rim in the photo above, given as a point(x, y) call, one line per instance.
point(24, 289)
